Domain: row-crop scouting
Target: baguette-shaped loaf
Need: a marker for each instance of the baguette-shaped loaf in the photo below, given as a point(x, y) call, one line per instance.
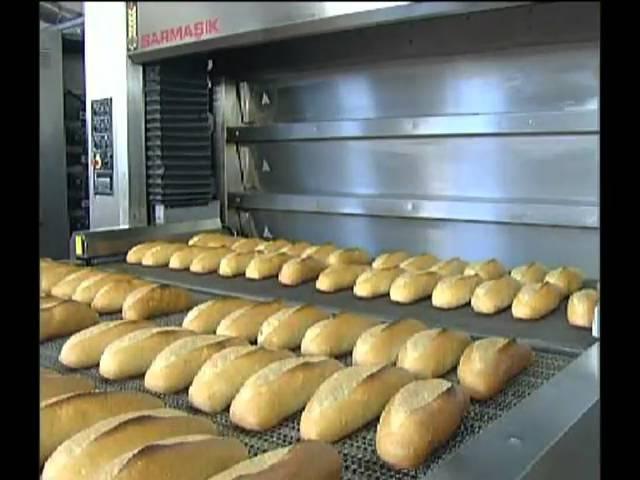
point(419, 263)
point(346, 256)
point(266, 266)
point(390, 259)
point(494, 296)
point(160, 255)
point(235, 263)
point(64, 416)
point(380, 344)
point(304, 460)
point(581, 307)
point(454, 291)
point(273, 246)
point(350, 399)
point(246, 321)
point(182, 259)
point(279, 390)
point(533, 272)
point(86, 454)
point(320, 252)
point(286, 328)
point(488, 364)
point(297, 249)
point(188, 457)
point(339, 277)
point(67, 286)
point(206, 317)
point(64, 317)
point(432, 353)
point(487, 269)
point(221, 377)
point(52, 386)
point(175, 367)
point(535, 301)
point(155, 300)
point(412, 286)
point(51, 273)
point(421, 417)
point(452, 266)
point(111, 297)
point(567, 279)
point(89, 288)
point(132, 354)
point(375, 283)
point(246, 245)
point(335, 335)
point(135, 254)
point(300, 270)
point(208, 262)
point(84, 349)
point(211, 240)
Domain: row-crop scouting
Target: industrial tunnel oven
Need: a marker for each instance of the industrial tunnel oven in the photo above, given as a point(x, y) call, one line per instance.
point(462, 129)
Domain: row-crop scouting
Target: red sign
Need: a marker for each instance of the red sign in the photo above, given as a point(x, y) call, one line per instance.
point(190, 31)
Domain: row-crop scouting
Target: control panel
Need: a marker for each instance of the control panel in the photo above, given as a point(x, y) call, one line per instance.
point(102, 146)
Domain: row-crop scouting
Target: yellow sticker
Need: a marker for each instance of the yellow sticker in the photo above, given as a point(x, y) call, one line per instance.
point(79, 245)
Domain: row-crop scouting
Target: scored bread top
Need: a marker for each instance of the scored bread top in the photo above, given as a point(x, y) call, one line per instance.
point(451, 266)
point(487, 348)
point(530, 292)
point(419, 393)
point(221, 359)
point(340, 385)
point(276, 369)
point(184, 346)
point(390, 259)
point(419, 262)
point(47, 303)
point(487, 269)
point(253, 465)
point(373, 333)
point(531, 272)
point(140, 335)
point(230, 318)
point(277, 318)
point(420, 340)
point(101, 327)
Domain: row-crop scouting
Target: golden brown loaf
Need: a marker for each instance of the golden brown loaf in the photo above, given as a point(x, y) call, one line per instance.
point(135, 254)
point(111, 297)
point(488, 364)
point(390, 259)
point(566, 279)
point(51, 273)
point(175, 366)
point(160, 255)
point(335, 335)
point(182, 259)
point(487, 269)
point(421, 417)
point(211, 240)
point(446, 268)
point(88, 289)
point(86, 454)
point(246, 245)
point(581, 308)
point(208, 262)
point(132, 354)
point(285, 328)
point(84, 349)
point(535, 301)
point(155, 300)
point(279, 390)
point(350, 399)
point(319, 252)
point(246, 321)
point(300, 270)
point(432, 353)
point(206, 317)
point(52, 386)
point(454, 291)
point(339, 277)
point(297, 249)
point(410, 287)
point(419, 263)
point(273, 246)
point(67, 286)
point(266, 266)
point(220, 378)
point(494, 296)
point(64, 416)
point(304, 460)
point(533, 272)
point(235, 263)
point(381, 344)
point(64, 317)
point(375, 283)
point(348, 256)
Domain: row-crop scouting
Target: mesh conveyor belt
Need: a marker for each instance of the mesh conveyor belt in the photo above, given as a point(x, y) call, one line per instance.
point(358, 450)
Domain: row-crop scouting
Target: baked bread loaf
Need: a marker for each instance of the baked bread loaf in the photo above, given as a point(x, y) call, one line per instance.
point(135, 254)
point(304, 460)
point(300, 270)
point(454, 291)
point(390, 259)
point(535, 301)
point(272, 246)
point(446, 268)
point(567, 279)
point(59, 318)
point(432, 353)
point(348, 256)
point(375, 283)
point(206, 317)
point(86, 454)
point(421, 417)
point(336, 335)
point(175, 366)
point(51, 273)
point(533, 272)
point(132, 354)
point(581, 307)
point(487, 269)
point(67, 286)
point(182, 259)
point(410, 287)
point(64, 416)
point(89, 288)
point(380, 344)
point(279, 390)
point(212, 240)
point(189, 457)
point(111, 297)
point(160, 255)
point(494, 296)
point(285, 328)
point(84, 349)
point(488, 364)
point(320, 252)
point(419, 263)
point(235, 263)
point(155, 300)
point(339, 277)
point(247, 245)
point(220, 378)
point(52, 386)
point(266, 266)
point(297, 249)
point(350, 399)
point(208, 262)
point(246, 321)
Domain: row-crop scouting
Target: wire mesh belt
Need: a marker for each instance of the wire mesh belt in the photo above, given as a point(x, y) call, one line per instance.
point(358, 450)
